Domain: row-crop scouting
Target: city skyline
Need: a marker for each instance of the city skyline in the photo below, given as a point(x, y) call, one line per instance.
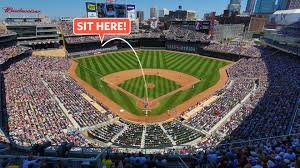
point(77, 8)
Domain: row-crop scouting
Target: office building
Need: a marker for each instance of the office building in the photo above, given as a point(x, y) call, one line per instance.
point(282, 4)
point(265, 6)
point(153, 12)
point(234, 6)
point(140, 15)
point(250, 6)
point(257, 24)
point(163, 12)
point(228, 31)
point(181, 15)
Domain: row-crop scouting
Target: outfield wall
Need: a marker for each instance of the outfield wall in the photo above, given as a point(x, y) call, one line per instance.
point(161, 43)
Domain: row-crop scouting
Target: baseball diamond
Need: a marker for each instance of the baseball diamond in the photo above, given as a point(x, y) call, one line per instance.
point(94, 70)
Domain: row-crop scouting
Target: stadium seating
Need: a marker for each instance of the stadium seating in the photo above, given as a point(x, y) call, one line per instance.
point(107, 132)
point(259, 105)
point(156, 138)
point(180, 133)
point(183, 34)
point(132, 136)
point(246, 50)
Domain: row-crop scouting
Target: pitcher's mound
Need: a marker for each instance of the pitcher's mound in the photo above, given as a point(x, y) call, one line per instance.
point(150, 85)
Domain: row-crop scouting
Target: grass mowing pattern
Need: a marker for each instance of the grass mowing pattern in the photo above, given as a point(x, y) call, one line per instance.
point(162, 86)
point(91, 69)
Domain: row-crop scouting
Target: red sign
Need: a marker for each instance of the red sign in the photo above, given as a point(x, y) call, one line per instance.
point(101, 26)
point(21, 10)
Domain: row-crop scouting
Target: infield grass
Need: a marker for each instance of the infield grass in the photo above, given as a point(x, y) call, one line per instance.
point(161, 87)
point(92, 69)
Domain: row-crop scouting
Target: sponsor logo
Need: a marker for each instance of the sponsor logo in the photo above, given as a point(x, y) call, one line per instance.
point(20, 10)
point(91, 7)
point(92, 14)
point(130, 7)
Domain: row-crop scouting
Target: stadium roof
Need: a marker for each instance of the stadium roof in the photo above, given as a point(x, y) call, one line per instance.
point(285, 17)
point(287, 11)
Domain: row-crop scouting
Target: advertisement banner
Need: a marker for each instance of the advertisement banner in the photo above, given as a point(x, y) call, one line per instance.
point(91, 9)
point(121, 11)
point(110, 10)
point(131, 15)
point(130, 7)
point(131, 12)
point(92, 14)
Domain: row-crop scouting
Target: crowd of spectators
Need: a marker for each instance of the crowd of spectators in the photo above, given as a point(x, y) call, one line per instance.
point(3, 137)
point(11, 51)
point(210, 115)
point(34, 116)
point(5, 32)
point(69, 93)
point(280, 152)
point(155, 137)
point(90, 50)
point(66, 28)
point(107, 132)
point(271, 153)
point(132, 136)
point(272, 109)
point(233, 48)
point(180, 133)
point(274, 101)
point(179, 33)
point(91, 38)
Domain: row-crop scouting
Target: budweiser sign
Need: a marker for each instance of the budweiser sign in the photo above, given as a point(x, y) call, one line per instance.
point(21, 10)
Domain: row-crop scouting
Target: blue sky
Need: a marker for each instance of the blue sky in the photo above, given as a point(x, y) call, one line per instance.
point(59, 8)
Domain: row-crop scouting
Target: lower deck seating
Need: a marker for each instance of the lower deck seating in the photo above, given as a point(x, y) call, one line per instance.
point(180, 133)
point(106, 133)
point(155, 137)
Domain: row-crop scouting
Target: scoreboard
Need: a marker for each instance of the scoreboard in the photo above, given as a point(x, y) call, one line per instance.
point(203, 26)
point(102, 10)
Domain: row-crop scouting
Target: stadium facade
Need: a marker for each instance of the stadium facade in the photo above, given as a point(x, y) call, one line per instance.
point(282, 32)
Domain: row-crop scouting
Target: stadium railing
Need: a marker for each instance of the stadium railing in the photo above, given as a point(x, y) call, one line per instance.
point(153, 48)
point(73, 162)
point(240, 143)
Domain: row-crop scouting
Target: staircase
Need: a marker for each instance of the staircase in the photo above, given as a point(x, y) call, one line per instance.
point(143, 136)
point(169, 136)
point(119, 134)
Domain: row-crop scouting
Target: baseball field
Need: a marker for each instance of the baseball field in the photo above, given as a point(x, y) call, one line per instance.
point(172, 78)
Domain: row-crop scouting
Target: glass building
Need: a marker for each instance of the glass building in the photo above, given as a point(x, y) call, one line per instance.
point(265, 6)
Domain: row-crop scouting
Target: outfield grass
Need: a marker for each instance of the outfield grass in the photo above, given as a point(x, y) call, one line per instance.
point(91, 69)
point(162, 86)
